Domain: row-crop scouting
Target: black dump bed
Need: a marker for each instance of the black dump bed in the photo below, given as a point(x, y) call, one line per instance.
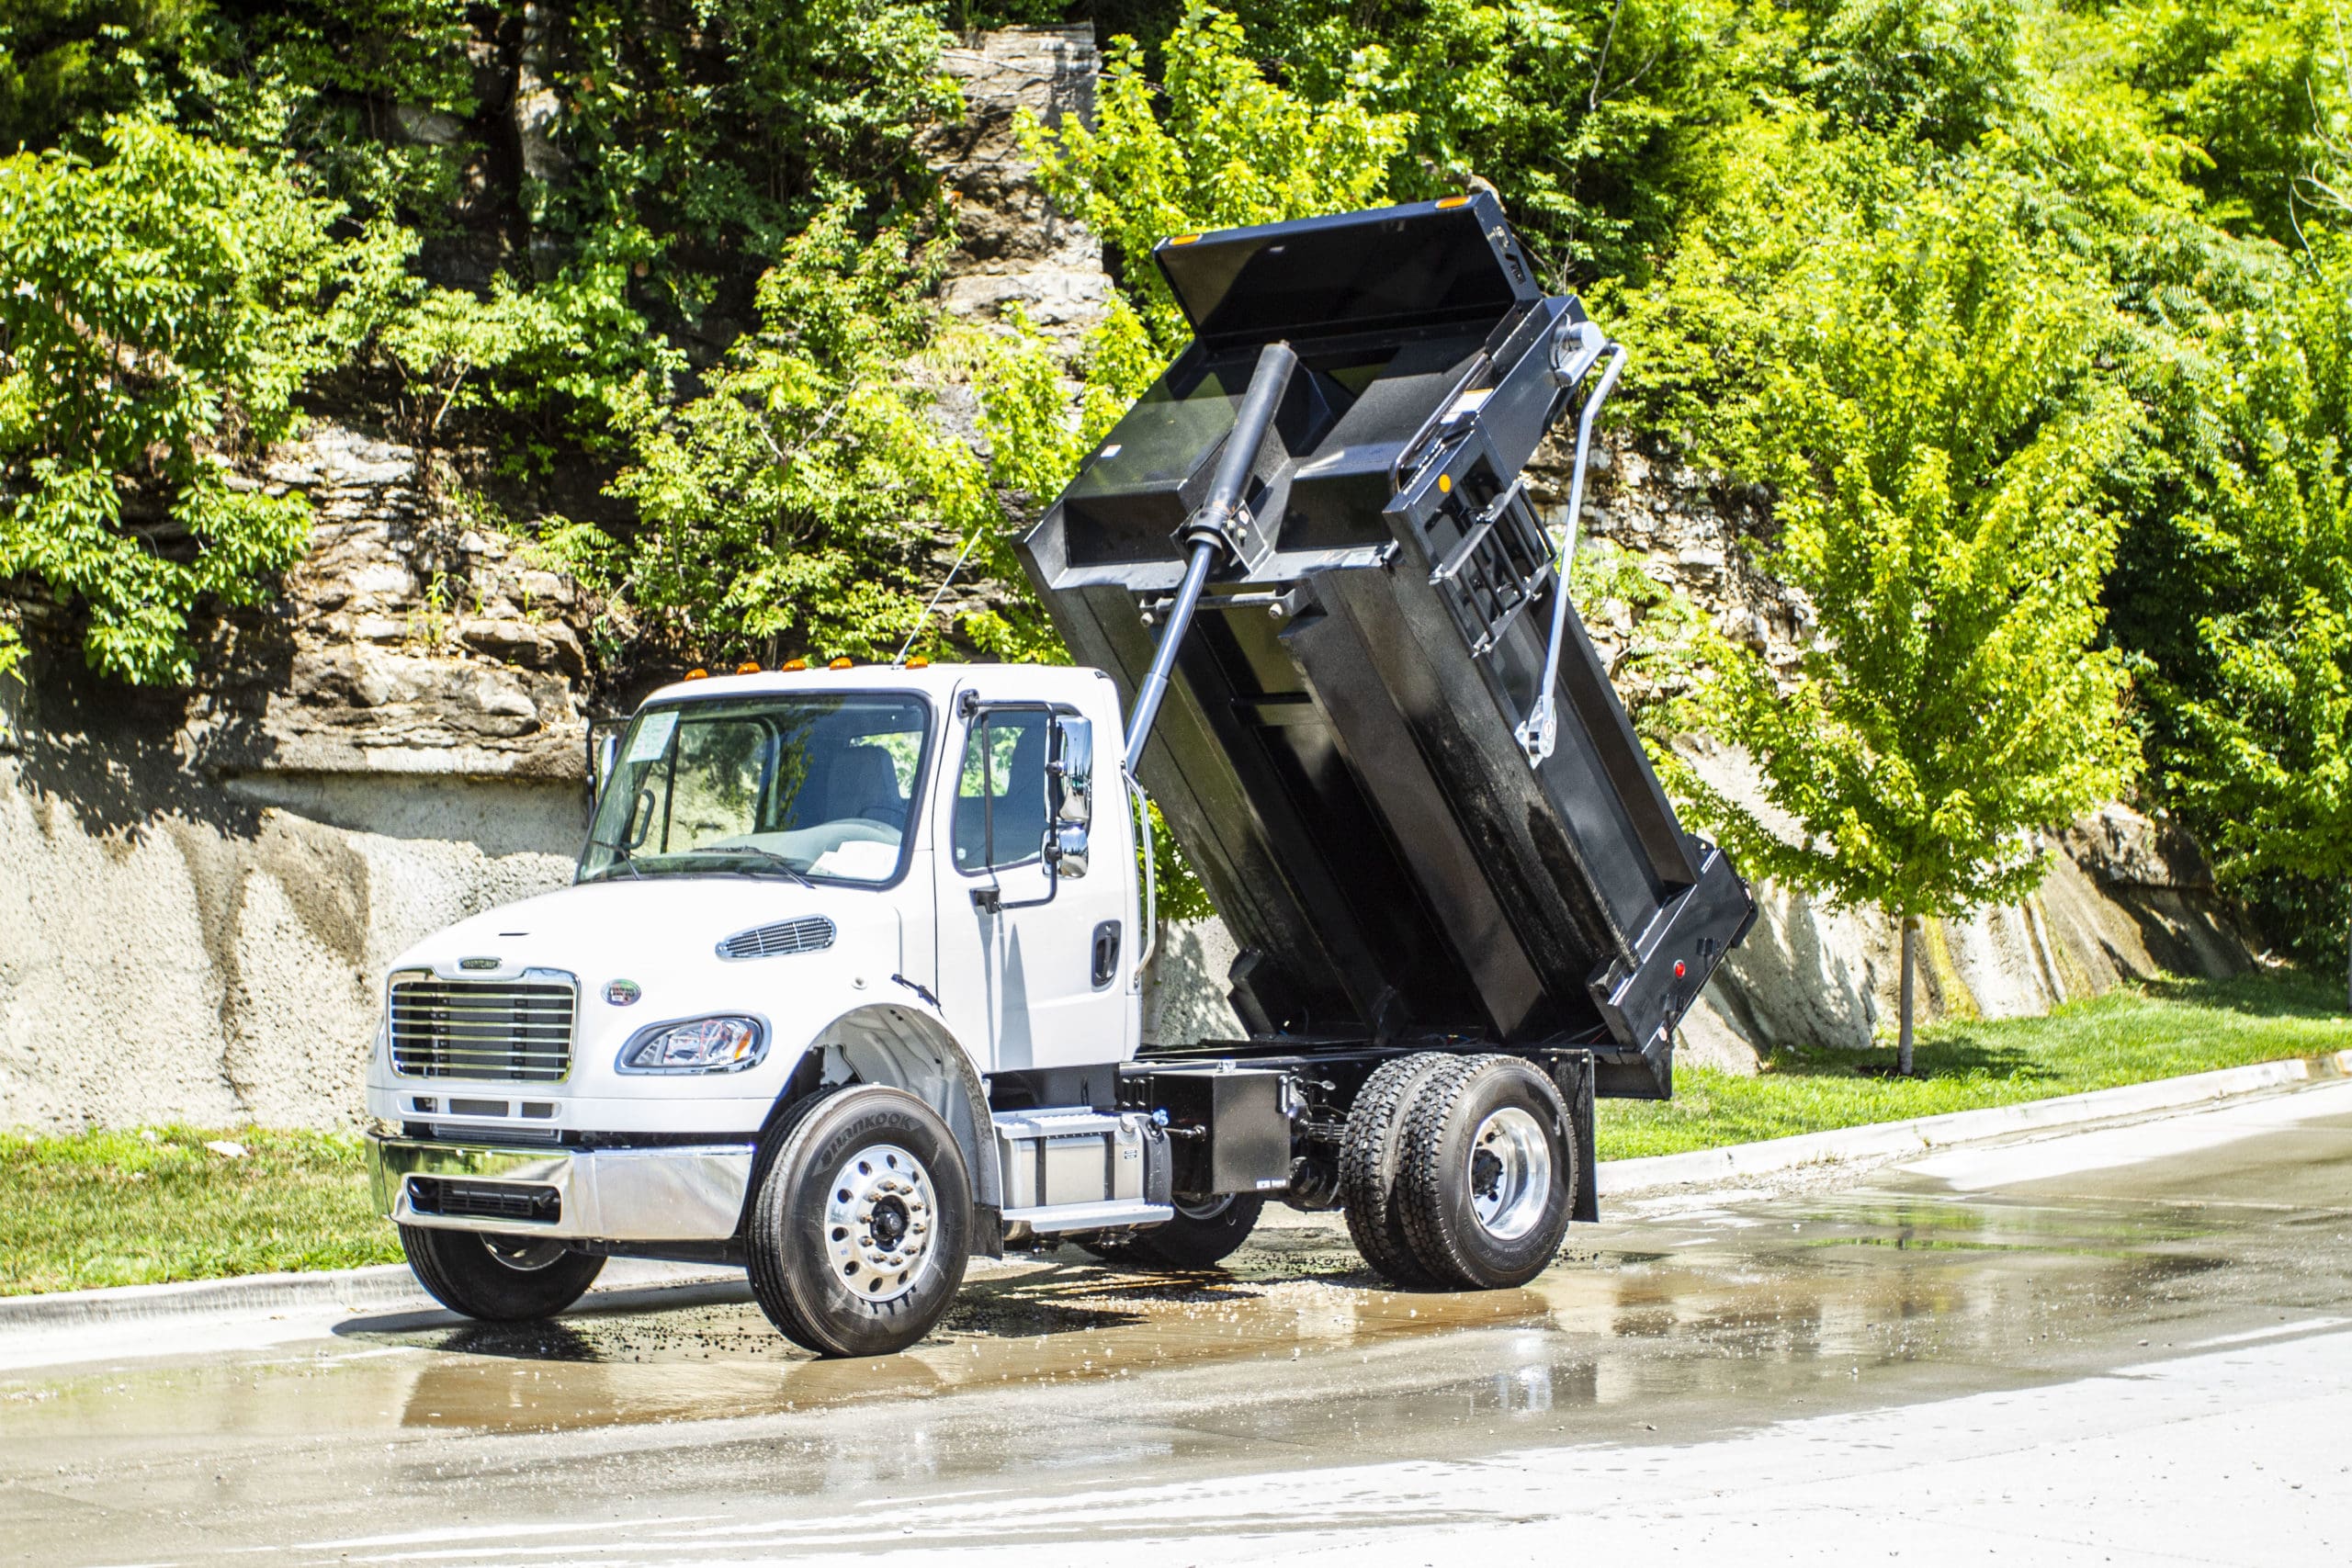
point(1341, 749)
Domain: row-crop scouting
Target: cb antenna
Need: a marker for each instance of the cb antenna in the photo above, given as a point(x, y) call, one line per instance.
point(960, 558)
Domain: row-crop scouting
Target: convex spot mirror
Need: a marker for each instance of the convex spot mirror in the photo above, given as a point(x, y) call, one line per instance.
point(603, 754)
point(1069, 786)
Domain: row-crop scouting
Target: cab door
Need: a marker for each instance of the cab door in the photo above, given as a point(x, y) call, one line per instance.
point(1035, 948)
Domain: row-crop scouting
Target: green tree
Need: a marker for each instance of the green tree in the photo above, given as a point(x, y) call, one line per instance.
point(1213, 144)
point(165, 306)
point(2243, 605)
point(1936, 434)
point(790, 505)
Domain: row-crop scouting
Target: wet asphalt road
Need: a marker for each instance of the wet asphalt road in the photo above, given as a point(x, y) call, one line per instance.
point(2130, 1345)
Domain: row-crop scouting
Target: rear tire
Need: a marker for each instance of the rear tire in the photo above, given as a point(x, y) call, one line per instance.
point(860, 1228)
point(1486, 1175)
point(498, 1278)
point(1369, 1155)
point(1202, 1235)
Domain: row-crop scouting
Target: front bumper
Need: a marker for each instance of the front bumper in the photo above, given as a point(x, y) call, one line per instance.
point(658, 1194)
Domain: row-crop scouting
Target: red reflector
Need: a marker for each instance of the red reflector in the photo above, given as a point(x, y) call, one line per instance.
point(1677, 968)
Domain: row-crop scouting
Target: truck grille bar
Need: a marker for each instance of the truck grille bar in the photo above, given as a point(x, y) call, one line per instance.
point(513, 1029)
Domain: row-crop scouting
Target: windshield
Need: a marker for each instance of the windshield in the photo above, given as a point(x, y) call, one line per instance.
point(782, 785)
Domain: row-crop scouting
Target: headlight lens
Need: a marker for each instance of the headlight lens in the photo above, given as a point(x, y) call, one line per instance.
point(704, 1045)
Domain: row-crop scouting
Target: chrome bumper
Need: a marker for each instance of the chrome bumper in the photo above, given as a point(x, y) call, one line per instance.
point(663, 1194)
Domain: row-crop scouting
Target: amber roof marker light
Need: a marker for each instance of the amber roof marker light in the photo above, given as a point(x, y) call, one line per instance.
point(842, 664)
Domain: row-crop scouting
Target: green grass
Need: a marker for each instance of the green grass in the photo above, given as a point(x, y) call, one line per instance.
point(139, 1207)
point(2127, 1036)
point(142, 1207)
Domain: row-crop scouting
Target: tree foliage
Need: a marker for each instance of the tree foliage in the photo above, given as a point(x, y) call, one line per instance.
point(1937, 438)
point(165, 306)
point(798, 493)
point(1213, 144)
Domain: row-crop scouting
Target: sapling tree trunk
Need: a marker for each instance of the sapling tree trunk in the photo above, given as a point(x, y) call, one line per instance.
point(1910, 968)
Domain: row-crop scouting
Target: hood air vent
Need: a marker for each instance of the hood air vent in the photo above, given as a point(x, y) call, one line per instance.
point(807, 934)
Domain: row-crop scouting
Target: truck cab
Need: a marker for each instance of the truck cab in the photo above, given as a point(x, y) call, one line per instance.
point(792, 882)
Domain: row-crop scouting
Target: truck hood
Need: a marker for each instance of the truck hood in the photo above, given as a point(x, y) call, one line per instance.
point(633, 928)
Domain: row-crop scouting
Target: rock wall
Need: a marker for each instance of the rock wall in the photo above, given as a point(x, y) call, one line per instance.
point(199, 889)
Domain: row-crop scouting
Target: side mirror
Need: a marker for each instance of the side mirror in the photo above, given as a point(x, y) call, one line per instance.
point(1069, 783)
point(604, 751)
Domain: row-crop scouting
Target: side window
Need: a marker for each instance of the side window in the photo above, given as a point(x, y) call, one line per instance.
point(1001, 794)
point(714, 787)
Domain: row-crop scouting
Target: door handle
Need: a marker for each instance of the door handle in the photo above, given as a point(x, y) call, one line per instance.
point(1106, 953)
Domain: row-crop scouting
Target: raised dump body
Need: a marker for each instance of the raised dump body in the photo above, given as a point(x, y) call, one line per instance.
point(1385, 741)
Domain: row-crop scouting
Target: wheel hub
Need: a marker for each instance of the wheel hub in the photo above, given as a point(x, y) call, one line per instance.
point(1510, 1173)
point(524, 1254)
point(878, 1220)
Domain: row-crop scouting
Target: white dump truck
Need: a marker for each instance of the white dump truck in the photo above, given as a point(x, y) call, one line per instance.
point(848, 986)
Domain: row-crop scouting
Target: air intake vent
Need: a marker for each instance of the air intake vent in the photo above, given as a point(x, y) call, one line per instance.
point(485, 1199)
point(509, 1030)
point(807, 934)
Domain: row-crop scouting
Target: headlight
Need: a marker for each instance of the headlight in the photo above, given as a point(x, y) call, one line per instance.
point(703, 1045)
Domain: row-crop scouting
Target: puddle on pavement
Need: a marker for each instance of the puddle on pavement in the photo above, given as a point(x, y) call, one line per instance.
point(1764, 1297)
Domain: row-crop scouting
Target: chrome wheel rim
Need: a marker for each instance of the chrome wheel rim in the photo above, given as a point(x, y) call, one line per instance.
point(880, 1220)
point(1207, 1208)
point(524, 1254)
point(1510, 1173)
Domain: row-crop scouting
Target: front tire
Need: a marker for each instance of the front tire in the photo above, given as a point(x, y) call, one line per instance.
point(1486, 1178)
point(860, 1228)
point(498, 1278)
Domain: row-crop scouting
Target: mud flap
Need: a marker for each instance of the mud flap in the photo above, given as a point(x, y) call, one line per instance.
point(1572, 1071)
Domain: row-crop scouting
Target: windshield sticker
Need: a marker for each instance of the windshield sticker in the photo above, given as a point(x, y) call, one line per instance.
point(652, 737)
point(858, 861)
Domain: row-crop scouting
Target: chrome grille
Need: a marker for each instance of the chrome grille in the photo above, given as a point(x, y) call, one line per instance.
point(483, 1029)
point(807, 934)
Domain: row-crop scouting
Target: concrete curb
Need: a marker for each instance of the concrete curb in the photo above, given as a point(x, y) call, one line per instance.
point(392, 1285)
point(1881, 1142)
point(375, 1288)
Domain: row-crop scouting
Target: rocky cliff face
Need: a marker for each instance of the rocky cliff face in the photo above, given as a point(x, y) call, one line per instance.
point(198, 890)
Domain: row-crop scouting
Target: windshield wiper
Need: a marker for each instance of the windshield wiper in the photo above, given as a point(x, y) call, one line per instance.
point(767, 857)
point(622, 855)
